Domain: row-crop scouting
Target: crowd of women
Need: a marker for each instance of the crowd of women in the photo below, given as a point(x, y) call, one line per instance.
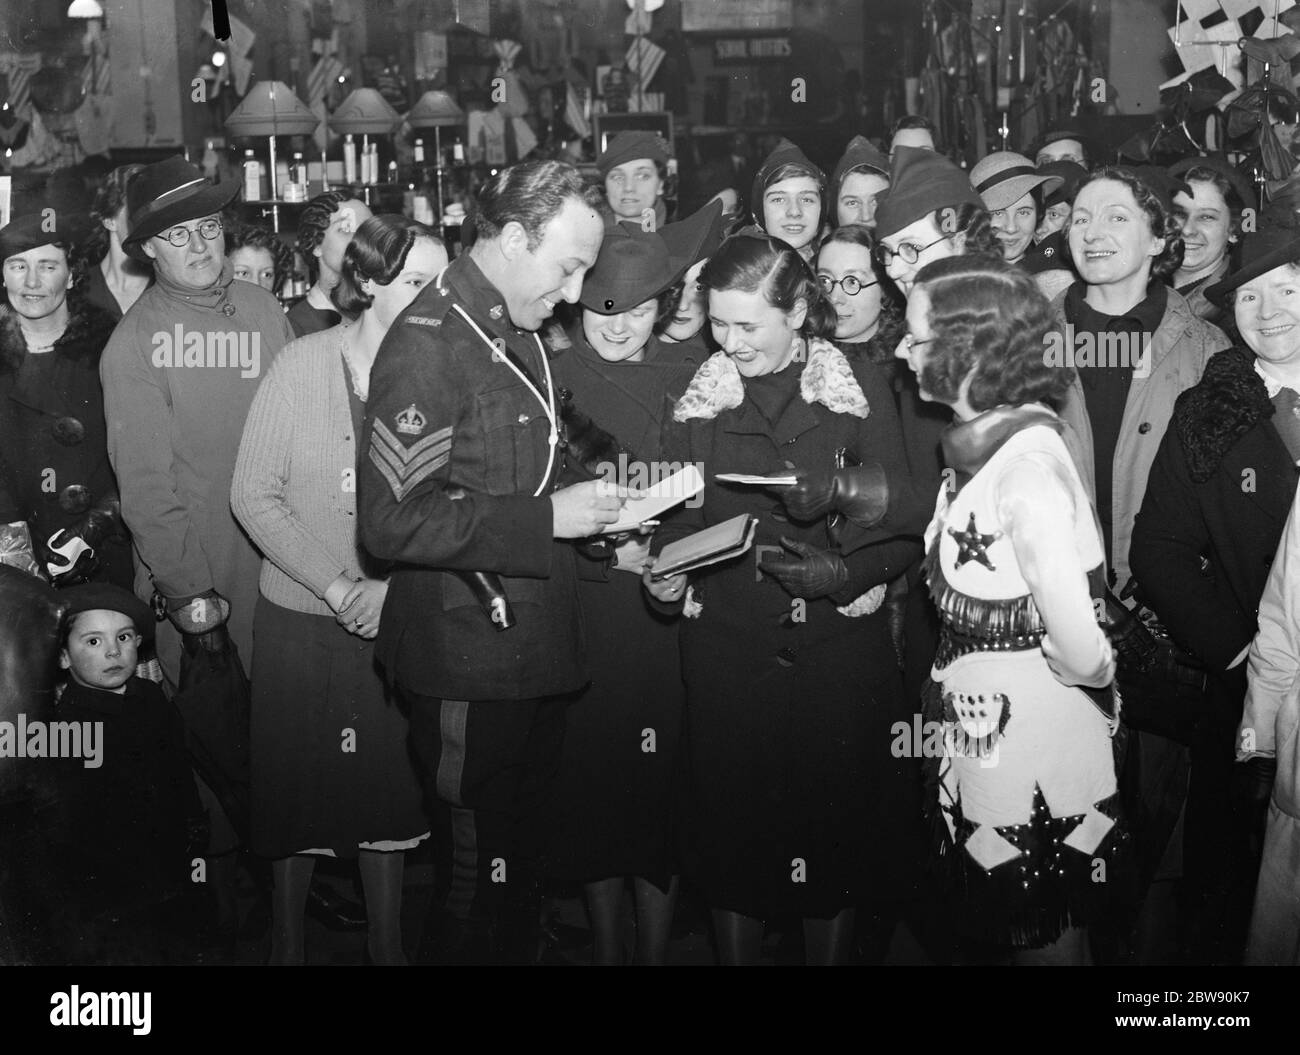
point(1010, 659)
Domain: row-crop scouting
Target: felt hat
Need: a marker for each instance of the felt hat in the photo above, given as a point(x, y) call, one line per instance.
point(168, 193)
point(695, 238)
point(1066, 130)
point(785, 153)
point(861, 153)
point(630, 146)
point(1236, 179)
point(921, 181)
point(1004, 177)
point(1275, 242)
point(1071, 175)
point(96, 596)
point(56, 211)
point(633, 266)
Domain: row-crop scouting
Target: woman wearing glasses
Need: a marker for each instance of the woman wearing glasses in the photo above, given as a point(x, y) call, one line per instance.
point(1030, 835)
point(930, 212)
point(786, 653)
point(869, 321)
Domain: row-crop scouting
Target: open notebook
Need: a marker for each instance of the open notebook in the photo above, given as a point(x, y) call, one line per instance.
point(721, 542)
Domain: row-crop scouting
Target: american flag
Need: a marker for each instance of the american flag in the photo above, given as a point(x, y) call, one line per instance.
point(19, 72)
point(574, 113)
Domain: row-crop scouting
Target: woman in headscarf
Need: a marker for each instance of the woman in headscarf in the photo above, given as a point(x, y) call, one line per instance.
point(788, 198)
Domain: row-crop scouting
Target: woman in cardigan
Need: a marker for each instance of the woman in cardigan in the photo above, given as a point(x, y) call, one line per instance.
point(615, 799)
point(330, 772)
point(788, 662)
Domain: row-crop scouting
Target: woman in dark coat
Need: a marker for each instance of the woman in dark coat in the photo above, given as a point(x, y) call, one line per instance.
point(869, 324)
point(618, 773)
point(54, 468)
point(1216, 502)
point(790, 671)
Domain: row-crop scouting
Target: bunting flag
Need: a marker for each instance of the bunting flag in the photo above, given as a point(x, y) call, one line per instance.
point(575, 112)
point(19, 69)
point(323, 74)
point(642, 63)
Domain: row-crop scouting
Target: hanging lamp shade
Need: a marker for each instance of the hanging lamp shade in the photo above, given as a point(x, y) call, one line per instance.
point(271, 109)
point(364, 112)
point(435, 109)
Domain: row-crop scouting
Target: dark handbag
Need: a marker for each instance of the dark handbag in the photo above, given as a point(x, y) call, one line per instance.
point(1163, 688)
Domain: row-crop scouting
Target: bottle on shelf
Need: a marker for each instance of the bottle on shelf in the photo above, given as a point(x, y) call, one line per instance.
point(349, 159)
point(419, 151)
point(210, 161)
point(282, 179)
point(252, 176)
point(458, 152)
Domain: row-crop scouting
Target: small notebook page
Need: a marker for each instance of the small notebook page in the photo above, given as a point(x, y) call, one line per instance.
point(648, 504)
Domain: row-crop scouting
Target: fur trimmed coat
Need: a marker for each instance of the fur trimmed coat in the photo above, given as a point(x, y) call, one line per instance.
point(53, 443)
point(790, 702)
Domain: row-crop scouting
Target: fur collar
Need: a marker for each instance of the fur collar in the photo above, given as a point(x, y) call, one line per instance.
point(89, 328)
point(827, 379)
point(1212, 416)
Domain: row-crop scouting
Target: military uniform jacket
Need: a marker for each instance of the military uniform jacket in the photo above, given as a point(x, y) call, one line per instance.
point(454, 449)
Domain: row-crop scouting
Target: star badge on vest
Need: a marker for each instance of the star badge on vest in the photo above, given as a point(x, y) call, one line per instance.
point(411, 421)
point(971, 545)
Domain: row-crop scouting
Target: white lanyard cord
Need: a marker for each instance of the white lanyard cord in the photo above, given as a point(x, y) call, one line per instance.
point(553, 439)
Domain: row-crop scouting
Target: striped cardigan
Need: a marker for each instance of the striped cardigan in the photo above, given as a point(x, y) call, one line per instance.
point(294, 489)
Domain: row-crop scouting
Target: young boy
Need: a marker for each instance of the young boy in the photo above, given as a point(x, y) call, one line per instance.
point(131, 822)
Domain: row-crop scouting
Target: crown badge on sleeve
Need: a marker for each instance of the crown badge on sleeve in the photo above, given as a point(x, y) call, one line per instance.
point(411, 421)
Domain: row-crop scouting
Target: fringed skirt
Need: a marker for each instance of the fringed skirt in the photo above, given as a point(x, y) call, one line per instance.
point(1028, 834)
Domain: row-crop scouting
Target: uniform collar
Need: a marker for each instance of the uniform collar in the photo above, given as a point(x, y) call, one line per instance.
point(477, 295)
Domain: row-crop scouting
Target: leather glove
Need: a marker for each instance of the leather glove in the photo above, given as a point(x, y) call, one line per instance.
point(74, 551)
point(860, 492)
point(817, 573)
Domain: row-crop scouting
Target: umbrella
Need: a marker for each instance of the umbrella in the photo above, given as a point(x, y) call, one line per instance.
point(213, 700)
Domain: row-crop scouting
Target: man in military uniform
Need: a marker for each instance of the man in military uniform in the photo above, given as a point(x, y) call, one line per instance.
point(461, 454)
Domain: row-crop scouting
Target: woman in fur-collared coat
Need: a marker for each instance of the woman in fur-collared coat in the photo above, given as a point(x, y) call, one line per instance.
point(789, 667)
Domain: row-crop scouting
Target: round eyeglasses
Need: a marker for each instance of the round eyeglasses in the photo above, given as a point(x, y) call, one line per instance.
point(909, 251)
point(851, 285)
point(180, 236)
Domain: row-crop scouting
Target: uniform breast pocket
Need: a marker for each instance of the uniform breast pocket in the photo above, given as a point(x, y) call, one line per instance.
point(509, 443)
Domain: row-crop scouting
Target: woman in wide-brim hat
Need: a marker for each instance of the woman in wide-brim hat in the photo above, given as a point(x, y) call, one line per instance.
point(1012, 191)
point(1237, 423)
point(614, 816)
